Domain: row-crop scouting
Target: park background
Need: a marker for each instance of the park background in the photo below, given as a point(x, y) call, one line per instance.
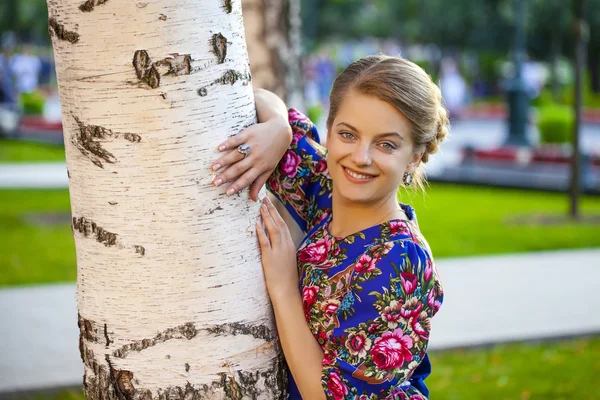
point(491, 192)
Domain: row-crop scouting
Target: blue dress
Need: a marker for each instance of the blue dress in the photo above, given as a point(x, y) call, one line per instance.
point(368, 297)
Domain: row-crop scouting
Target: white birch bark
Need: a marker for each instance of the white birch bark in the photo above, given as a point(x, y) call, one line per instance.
point(170, 290)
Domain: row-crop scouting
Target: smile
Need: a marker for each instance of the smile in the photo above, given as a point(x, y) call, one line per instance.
point(356, 175)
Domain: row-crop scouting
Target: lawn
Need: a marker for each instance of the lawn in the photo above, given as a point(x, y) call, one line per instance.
point(562, 370)
point(457, 221)
point(528, 371)
point(18, 151)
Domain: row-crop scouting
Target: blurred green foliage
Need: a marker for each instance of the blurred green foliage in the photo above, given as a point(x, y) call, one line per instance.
point(555, 123)
point(32, 103)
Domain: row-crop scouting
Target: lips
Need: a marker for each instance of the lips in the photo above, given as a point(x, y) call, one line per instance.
point(357, 175)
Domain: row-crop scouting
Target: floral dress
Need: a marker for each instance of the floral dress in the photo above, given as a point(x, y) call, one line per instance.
point(368, 297)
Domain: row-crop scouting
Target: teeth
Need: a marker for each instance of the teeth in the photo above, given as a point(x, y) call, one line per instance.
point(357, 176)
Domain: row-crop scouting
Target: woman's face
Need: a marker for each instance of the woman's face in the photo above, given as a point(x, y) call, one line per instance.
point(369, 149)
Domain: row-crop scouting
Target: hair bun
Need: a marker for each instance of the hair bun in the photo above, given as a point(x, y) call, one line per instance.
point(442, 130)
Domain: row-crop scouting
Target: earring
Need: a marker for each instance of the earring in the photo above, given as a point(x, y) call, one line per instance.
point(407, 178)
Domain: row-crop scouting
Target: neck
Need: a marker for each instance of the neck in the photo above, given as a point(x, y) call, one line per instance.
point(351, 217)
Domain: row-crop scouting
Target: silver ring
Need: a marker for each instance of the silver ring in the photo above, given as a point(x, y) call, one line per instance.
point(244, 149)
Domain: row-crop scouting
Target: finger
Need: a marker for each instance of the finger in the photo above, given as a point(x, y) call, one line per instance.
point(243, 181)
point(275, 214)
point(231, 173)
point(272, 229)
point(234, 141)
point(230, 158)
point(263, 240)
point(258, 184)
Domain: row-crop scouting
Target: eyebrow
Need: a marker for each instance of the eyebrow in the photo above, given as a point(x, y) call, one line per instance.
point(380, 135)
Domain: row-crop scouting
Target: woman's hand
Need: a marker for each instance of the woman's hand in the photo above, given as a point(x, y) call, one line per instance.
point(268, 141)
point(278, 252)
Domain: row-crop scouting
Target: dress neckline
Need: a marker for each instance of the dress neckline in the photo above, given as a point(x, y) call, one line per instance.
point(407, 209)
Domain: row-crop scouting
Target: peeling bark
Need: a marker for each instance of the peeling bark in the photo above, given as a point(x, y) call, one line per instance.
point(89, 5)
point(187, 331)
point(227, 6)
point(87, 228)
point(218, 45)
point(236, 328)
point(86, 139)
point(149, 73)
point(61, 33)
point(230, 77)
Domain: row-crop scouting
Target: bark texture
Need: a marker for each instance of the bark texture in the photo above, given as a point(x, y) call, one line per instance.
point(273, 32)
point(169, 308)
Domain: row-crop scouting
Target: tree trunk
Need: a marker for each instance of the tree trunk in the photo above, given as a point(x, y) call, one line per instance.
point(581, 29)
point(170, 291)
point(273, 32)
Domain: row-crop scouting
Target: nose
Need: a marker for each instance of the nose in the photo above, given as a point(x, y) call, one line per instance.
point(361, 156)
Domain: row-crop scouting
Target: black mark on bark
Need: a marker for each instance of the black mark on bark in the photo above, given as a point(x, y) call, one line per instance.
point(162, 17)
point(231, 76)
point(108, 341)
point(236, 328)
point(202, 92)
point(59, 30)
point(218, 45)
point(212, 210)
point(68, 174)
point(227, 6)
point(140, 250)
point(90, 4)
point(186, 331)
point(113, 203)
point(187, 367)
point(87, 140)
point(87, 228)
point(150, 73)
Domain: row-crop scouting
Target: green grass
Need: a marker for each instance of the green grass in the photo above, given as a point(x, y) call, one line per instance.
point(563, 370)
point(456, 220)
point(464, 221)
point(548, 370)
point(34, 253)
point(17, 151)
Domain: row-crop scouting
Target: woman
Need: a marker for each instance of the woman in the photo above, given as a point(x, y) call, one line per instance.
point(358, 327)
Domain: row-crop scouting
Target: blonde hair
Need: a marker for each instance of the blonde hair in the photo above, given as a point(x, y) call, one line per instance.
point(405, 86)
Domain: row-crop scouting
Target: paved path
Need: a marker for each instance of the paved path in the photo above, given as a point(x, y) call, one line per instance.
point(487, 300)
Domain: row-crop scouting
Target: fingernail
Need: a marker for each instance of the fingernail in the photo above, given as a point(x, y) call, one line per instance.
point(222, 147)
point(216, 167)
point(218, 182)
point(264, 207)
point(268, 199)
point(230, 191)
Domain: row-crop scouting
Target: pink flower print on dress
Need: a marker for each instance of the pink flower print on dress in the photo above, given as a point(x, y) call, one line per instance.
point(432, 302)
point(365, 264)
point(336, 386)
point(428, 270)
point(309, 296)
point(399, 228)
point(320, 166)
point(358, 344)
point(316, 253)
point(392, 350)
point(421, 327)
point(330, 307)
point(409, 282)
point(391, 314)
point(411, 308)
point(290, 163)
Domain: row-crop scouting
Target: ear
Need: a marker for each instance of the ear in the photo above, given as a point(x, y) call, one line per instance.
point(415, 160)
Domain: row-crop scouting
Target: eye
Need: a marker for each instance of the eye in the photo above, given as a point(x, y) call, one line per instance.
point(388, 146)
point(346, 135)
